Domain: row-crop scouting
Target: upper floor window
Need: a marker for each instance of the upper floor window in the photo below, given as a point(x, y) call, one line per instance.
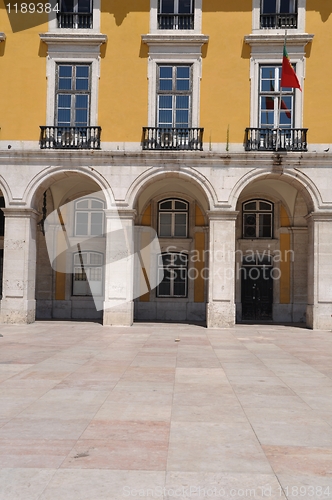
point(269, 95)
point(173, 219)
point(174, 92)
point(75, 14)
point(176, 14)
point(89, 217)
point(72, 95)
point(257, 219)
point(278, 14)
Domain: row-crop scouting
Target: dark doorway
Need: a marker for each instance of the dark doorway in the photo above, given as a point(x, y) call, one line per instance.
point(257, 292)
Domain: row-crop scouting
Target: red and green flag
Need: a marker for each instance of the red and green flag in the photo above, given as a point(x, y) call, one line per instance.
point(288, 75)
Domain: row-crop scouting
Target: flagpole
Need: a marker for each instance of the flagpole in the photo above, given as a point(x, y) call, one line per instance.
point(279, 107)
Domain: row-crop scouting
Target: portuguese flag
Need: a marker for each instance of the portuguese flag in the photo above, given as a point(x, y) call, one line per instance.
point(288, 75)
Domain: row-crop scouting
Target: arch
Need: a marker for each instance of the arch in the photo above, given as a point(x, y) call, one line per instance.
point(44, 179)
point(150, 177)
point(5, 190)
point(297, 179)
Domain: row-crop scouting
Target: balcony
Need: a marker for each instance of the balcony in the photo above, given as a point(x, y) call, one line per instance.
point(76, 20)
point(279, 21)
point(267, 139)
point(176, 21)
point(70, 137)
point(172, 139)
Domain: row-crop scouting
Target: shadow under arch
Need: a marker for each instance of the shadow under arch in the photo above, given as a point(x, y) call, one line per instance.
point(298, 180)
point(44, 179)
point(150, 177)
point(5, 190)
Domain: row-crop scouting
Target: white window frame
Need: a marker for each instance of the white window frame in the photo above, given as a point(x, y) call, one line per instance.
point(256, 213)
point(154, 19)
point(173, 211)
point(301, 11)
point(57, 58)
point(53, 22)
point(89, 210)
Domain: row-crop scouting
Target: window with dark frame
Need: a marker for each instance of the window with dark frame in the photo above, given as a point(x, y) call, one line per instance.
point(173, 218)
point(174, 94)
point(278, 14)
point(77, 14)
point(73, 89)
point(176, 14)
point(257, 219)
point(174, 267)
point(269, 99)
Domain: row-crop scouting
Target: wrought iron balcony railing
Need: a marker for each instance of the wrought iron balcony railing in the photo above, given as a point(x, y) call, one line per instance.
point(70, 137)
point(282, 21)
point(176, 21)
point(268, 139)
point(188, 139)
point(78, 20)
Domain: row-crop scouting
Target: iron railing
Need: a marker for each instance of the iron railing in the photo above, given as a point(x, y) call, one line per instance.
point(268, 139)
point(70, 137)
point(283, 21)
point(156, 138)
point(78, 20)
point(176, 21)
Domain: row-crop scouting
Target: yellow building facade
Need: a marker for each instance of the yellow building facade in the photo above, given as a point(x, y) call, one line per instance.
point(141, 122)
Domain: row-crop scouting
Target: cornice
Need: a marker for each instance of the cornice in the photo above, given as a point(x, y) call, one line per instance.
point(175, 39)
point(2, 36)
point(278, 39)
point(96, 39)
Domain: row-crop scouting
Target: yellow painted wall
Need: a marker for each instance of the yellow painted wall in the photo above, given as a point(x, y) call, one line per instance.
point(317, 95)
point(285, 269)
point(123, 90)
point(23, 76)
point(225, 85)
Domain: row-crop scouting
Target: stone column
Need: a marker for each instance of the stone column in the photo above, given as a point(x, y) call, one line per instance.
point(319, 308)
point(221, 296)
point(18, 303)
point(299, 260)
point(119, 269)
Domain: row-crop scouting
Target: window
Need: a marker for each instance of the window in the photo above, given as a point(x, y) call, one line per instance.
point(269, 94)
point(72, 95)
point(75, 14)
point(89, 217)
point(257, 219)
point(174, 283)
point(278, 14)
point(173, 219)
point(88, 273)
point(174, 96)
point(176, 14)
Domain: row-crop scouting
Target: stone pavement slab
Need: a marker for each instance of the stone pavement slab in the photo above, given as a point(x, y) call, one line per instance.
point(100, 413)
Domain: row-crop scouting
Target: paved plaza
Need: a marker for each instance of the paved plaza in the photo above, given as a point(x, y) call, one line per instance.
point(164, 411)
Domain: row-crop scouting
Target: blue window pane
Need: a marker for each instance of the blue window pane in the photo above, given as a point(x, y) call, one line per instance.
point(82, 71)
point(165, 72)
point(165, 102)
point(65, 71)
point(82, 84)
point(182, 119)
point(185, 7)
point(67, 5)
point(182, 102)
point(167, 6)
point(182, 72)
point(64, 101)
point(269, 7)
point(81, 117)
point(81, 101)
point(65, 83)
point(64, 116)
point(84, 6)
point(165, 118)
point(267, 119)
point(268, 103)
point(165, 84)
